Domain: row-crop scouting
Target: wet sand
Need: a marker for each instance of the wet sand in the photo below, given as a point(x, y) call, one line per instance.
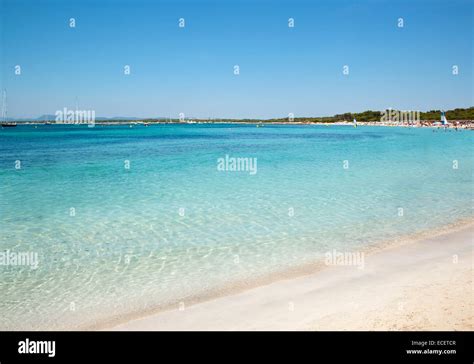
point(421, 285)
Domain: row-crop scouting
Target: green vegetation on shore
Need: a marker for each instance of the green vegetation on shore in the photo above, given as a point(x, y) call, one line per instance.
point(366, 116)
point(458, 114)
point(376, 116)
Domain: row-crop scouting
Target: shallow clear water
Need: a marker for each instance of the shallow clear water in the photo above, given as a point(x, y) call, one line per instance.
point(128, 248)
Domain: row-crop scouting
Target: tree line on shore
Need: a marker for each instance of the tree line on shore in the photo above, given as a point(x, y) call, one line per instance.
point(376, 116)
point(465, 114)
point(365, 116)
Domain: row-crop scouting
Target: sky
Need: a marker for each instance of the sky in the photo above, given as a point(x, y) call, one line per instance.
point(190, 70)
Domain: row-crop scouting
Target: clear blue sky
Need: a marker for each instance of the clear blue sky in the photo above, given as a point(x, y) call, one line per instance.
point(282, 70)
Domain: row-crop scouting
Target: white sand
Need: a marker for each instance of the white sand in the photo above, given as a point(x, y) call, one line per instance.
point(416, 286)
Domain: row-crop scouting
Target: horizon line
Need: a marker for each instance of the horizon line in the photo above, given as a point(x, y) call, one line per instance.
point(290, 115)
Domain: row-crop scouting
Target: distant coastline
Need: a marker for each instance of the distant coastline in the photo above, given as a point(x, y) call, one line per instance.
point(460, 124)
point(462, 117)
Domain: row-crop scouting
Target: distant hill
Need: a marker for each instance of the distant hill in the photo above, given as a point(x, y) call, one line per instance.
point(369, 115)
point(98, 118)
point(48, 117)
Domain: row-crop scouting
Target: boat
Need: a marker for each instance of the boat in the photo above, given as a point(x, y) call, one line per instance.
point(444, 121)
point(5, 123)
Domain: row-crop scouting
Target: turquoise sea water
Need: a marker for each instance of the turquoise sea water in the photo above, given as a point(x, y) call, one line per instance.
point(173, 226)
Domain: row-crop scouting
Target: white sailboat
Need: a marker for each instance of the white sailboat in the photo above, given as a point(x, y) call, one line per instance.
point(444, 121)
point(5, 123)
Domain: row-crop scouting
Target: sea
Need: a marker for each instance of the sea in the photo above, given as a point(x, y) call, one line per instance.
point(129, 219)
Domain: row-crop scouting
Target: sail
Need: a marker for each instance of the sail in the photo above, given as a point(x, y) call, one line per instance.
point(444, 121)
point(4, 106)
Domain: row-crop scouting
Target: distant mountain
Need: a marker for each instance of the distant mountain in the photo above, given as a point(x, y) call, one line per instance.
point(369, 115)
point(98, 118)
point(48, 117)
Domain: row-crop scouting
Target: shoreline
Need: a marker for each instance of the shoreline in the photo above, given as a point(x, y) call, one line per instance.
point(308, 271)
point(421, 124)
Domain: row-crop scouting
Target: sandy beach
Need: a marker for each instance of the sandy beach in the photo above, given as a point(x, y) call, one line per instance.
point(425, 284)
